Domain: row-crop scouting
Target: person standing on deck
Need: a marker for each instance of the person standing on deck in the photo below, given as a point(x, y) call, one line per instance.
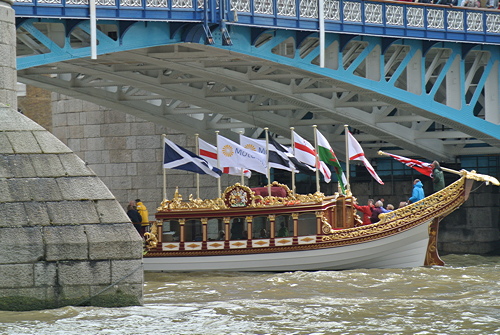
point(134, 216)
point(366, 210)
point(418, 191)
point(143, 211)
point(437, 176)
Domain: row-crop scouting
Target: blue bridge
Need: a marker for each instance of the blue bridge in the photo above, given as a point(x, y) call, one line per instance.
point(414, 79)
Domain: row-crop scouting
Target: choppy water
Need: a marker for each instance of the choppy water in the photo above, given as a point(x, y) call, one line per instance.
point(460, 298)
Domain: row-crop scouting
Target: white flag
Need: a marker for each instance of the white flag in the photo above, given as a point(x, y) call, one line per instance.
point(209, 152)
point(304, 151)
point(355, 152)
point(234, 155)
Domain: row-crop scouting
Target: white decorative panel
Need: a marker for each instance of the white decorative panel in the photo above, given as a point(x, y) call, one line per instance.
point(455, 20)
point(263, 7)
point(170, 246)
point(280, 241)
point(415, 17)
point(435, 18)
point(182, 3)
point(394, 15)
point(192, 245)
point(307, 239)
point(238, 244)
point(309, 8)
point(474, 21)
point(492, 23)
point(215, 245)
point(240, 5)
point(130, 3)
point(332, 10)
point(373, 13)
point(260, 243)
point(286, 8)
point(352, 11)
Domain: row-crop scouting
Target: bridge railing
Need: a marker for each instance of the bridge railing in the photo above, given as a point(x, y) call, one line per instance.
point(380, 18)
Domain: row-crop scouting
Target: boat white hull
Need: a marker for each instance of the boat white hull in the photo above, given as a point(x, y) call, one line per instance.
point(405, 249)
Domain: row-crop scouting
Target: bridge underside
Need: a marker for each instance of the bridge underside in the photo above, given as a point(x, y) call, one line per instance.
point(409, 97)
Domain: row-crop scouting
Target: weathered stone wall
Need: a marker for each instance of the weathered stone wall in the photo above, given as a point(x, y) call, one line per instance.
point(8, 71)
point(126, 152)
point(64, 239)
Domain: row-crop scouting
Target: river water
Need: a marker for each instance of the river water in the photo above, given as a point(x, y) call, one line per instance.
point(461, 298)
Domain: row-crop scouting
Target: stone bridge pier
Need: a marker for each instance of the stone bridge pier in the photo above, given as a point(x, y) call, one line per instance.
point(64, 238)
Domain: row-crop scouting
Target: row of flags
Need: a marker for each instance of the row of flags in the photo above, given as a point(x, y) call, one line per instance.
point(259, 155)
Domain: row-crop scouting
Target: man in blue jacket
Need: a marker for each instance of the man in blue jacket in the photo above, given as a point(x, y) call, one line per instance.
point(418, 191)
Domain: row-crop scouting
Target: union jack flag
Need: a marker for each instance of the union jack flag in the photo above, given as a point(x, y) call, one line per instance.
point(423, 168)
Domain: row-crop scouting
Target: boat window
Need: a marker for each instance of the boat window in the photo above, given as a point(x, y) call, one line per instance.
point(215, 229)
point(193, 230)
point(260, 227)
point(238, 229)
point(171, 231)
point(307, 224)
point(283, 226)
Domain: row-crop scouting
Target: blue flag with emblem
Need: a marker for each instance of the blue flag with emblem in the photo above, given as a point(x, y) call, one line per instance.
point(176, 157)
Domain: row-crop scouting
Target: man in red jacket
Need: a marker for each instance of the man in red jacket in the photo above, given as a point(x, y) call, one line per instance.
point(366, 210)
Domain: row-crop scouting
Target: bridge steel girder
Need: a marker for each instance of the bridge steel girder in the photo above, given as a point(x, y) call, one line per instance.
point(399, 93)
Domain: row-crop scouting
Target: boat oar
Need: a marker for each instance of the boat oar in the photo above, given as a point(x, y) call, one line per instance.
point(468, 174)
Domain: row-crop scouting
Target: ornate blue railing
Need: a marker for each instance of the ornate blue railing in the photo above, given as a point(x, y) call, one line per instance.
point(380, 18)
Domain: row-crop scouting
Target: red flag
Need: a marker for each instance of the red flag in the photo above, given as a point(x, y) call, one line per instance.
point(423, 168)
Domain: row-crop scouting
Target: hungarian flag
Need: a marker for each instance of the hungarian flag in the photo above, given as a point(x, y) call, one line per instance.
point(355, 152)
point(326, 154)
point(423, 168)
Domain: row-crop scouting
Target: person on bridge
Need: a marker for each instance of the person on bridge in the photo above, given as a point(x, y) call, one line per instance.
point(366, 210)
point(437, 176)
point(418, 191)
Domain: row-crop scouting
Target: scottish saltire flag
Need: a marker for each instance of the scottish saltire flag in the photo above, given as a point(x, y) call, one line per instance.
point(209, 153)
point(277, 160)
point(176, 157)
point(232, 154)
point(355, 152)
point(423, 168)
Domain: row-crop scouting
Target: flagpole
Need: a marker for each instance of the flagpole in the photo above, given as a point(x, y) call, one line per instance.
point(293, 152)
point(346, 132)
point(267, 159)
point(242, 173)
point(317, 158)
point(197, 175)
point(163, 136)
point(218, 164)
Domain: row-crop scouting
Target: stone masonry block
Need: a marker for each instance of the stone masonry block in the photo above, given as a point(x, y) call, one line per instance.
point(116, 241)
point(481, 218)
point(34, 189)
point(83, 188)
point(129, 271)
point(50, 144)
point(91, 130)
point(13, 214)
point(143, 128)
point(120, 156)
point(139, 182)
point(84, 273)
point(16, 275)
point(72, 212)
point(148, 142)
point(145, 155)
point(115, 143)
point(117, 129)
point(75, 292)
point(45, 273)
point(110, 211)
point(21, 245)
point(47, 165)
point(116, 169)
point(95, 117)
point(5, 146)
point(95, 143)
point(24, 142)
point(37, 213)
point(74, 166)
point(18, 166)
point(64, 243)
